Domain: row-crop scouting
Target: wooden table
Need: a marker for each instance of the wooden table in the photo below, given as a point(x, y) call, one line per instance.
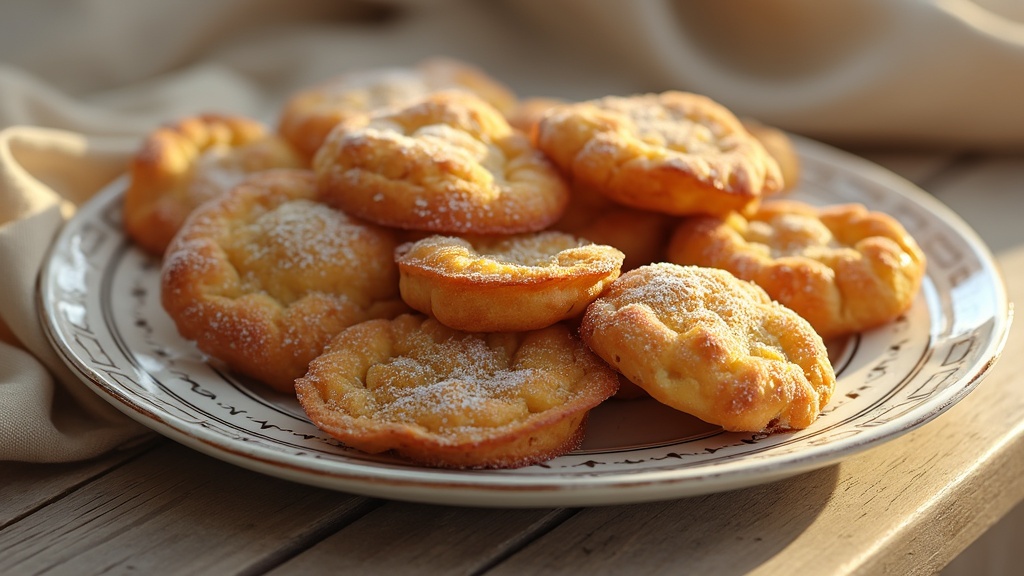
point(908, 506)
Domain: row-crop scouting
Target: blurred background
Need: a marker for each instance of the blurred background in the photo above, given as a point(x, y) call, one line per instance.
point(923, 74)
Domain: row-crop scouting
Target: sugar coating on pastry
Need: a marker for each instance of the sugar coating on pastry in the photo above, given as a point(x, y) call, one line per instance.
point(673, 152)
point(712, 345)
point(263, 277)
point(310, 114)
point(181, 165)
point(514, 283)
point(446, 398)
point(844, 268)
point(449, 163)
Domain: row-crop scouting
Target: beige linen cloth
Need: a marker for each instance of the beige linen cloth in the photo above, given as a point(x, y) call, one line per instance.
point(82, 81)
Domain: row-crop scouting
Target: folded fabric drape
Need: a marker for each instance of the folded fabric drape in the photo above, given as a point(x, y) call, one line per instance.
point(927, 73)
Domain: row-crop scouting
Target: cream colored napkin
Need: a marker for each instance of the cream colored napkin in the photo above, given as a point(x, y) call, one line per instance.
point(46, 413)
point(82, 81)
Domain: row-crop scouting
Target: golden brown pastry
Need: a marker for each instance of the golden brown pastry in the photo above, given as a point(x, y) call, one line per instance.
point(640, 234)
point(184, 164)
point(673, 152)
point(449, 163)
point(445, 398)
point(843, 268)
point(263, 277)
point(779, 146)
point(513, 283)
point(712, 345)
point(310, 114)
point(527, 114)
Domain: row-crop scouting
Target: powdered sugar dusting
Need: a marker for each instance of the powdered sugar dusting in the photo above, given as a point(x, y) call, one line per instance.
point(301, 235)
point(374, 88)
point(689, 298)
point(451, 386)
point(671, 125)
point(302, 247)
point(519, 258)
point(793, 235)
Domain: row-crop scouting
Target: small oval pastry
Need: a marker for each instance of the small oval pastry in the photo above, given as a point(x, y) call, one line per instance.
point(449, 163)
point(640, 234)
point(262, 278)
point(497, 284)
point(843, 268)
point(779, 146)
point(674, 152)
point(444, 398)
point(712, 345)
point(184, 164)
point(310, 114)
point(527, 114)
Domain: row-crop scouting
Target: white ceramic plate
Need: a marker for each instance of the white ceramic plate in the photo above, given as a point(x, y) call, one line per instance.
point(101, 307)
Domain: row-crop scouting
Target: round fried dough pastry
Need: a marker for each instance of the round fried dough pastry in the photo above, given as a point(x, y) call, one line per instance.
point(263, 277)
point(640, 234)
point(445, 398)
point(843, 268)
point(673, 152)
point(779, 146)
point(449, 164)
point(712, 345)
point(184, 164)
point(499, 284)
point(527, 114)
point(309, 115)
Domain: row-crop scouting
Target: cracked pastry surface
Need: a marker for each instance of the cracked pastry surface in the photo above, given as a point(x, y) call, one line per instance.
point(712, 345)
point(449, 163)
point(181, 165)
point(310, 114)
point(844, 268)
point(446, 398)
point(514, 283)
point(262, 277)
point(674, 152)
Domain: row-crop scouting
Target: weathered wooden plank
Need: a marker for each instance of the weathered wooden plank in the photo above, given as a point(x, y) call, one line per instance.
point(175, 511)
point(26, 487)
point(726, 533)
point(996, 553)
point(420, 539)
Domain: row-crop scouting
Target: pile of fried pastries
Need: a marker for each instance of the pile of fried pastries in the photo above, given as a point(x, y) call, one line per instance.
point(443, 271)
